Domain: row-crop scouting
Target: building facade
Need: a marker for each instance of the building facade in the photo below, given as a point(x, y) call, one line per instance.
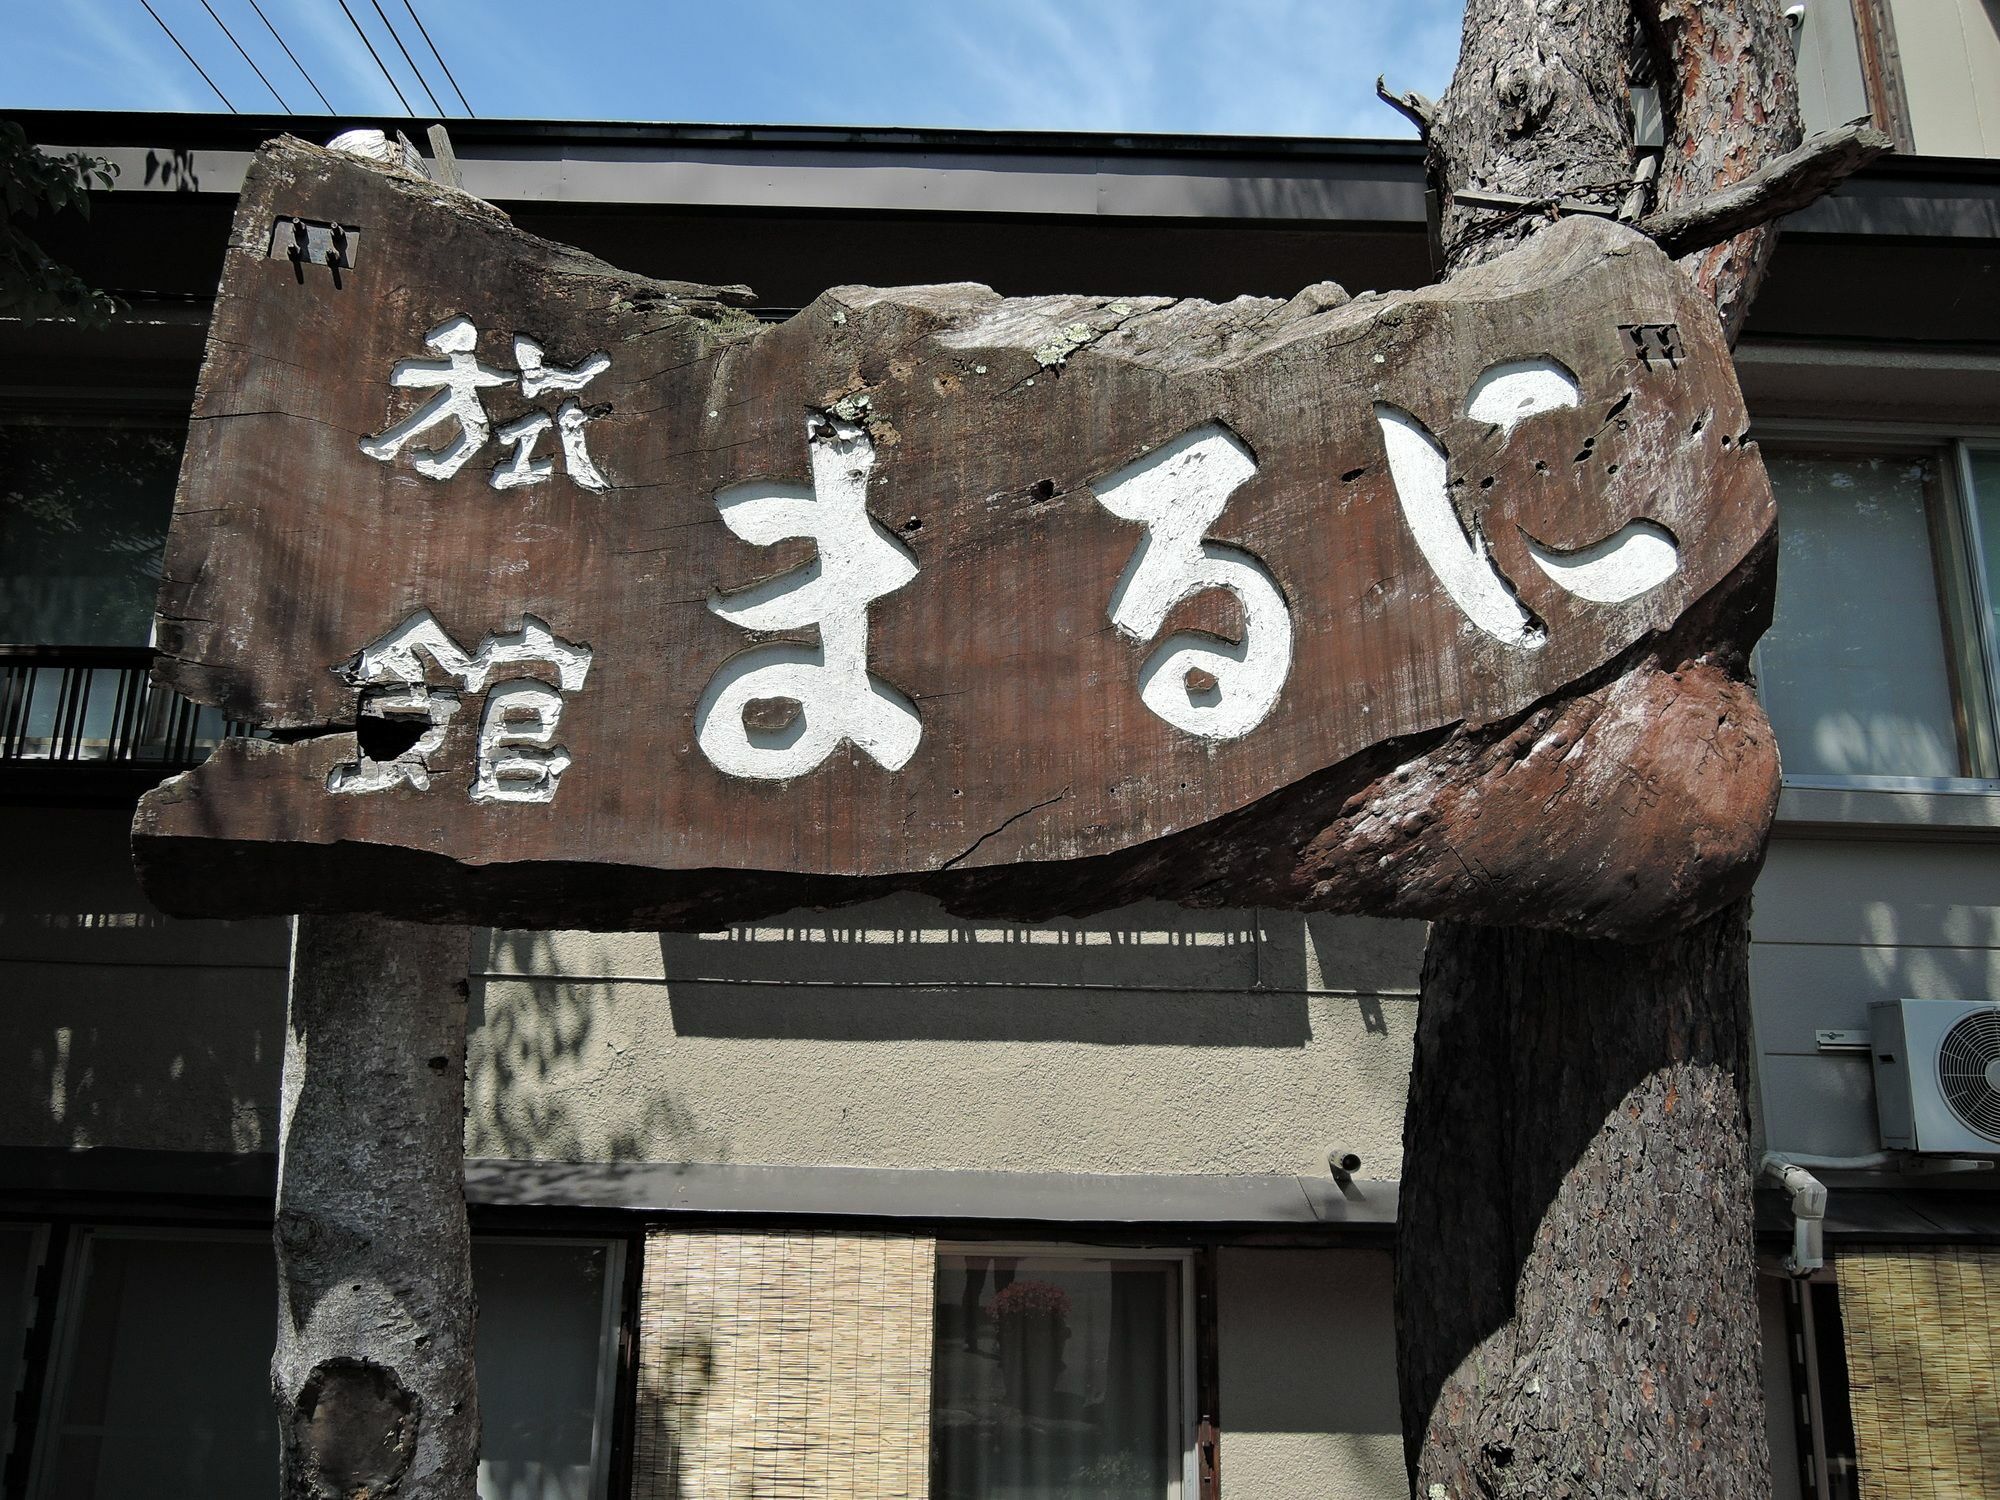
point(993, 1209)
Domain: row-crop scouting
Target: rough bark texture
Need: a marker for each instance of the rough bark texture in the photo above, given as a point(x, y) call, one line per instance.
point(1575, 1310)
point(1537, 109)
point(373, 1375)
point(1730, 97)
point(1419, 754)
point(1577, 1136)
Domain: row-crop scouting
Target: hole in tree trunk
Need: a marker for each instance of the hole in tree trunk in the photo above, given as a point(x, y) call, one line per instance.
point(355, 1426)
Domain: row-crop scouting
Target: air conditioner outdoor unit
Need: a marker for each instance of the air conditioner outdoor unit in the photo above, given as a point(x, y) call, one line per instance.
point(1937, 1075)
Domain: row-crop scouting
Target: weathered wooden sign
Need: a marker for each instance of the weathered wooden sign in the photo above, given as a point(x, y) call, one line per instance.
point(575, 598)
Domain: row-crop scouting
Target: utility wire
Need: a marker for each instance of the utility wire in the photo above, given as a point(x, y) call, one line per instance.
point(246, 57)
point(439, 56)
point(377, 56)
point(288, 52)
point(406, 56)
point(190, 57)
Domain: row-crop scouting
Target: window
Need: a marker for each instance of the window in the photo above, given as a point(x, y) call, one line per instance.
point(160, 1383)
point(83, 523)
point(84, 507)
point(1061, 1374)
point(547, 1357)
point(21, 1249)
point(1880, 659)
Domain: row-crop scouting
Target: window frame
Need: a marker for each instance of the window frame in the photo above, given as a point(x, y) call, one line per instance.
point(68, 1315)
point(14, 1429)
point(1971, 652)
point(610, 1342)
point(65, 1315)
point(1187, 1377)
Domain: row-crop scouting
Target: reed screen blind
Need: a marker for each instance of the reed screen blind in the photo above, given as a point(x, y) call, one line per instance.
point(1923, 1369)
point(789, 1366)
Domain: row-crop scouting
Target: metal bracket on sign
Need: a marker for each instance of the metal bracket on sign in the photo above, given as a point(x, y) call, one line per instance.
point(1654, 342)
point(312, 242)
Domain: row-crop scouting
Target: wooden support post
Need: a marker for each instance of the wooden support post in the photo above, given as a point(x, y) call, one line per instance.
point(373, 1376)
point(1575, 1301)
point(1576, 1296)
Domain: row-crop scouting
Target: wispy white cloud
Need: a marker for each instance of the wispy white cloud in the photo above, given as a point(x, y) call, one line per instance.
point(1272, 67)
point(1038, 64)
point(125, 56)
point(1282, 67)
point(337, 58)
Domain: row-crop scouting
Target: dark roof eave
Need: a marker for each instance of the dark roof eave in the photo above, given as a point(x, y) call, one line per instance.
point(168, 130)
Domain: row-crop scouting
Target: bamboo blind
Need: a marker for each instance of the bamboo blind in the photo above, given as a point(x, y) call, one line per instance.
point(1923, 1369)
point(789, 1366)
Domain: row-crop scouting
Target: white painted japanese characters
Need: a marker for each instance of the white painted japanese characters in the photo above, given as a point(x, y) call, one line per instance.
point(1637, 558)
point(1199, 683)
point(777, 711)
point(458, 378)
point(517, 759)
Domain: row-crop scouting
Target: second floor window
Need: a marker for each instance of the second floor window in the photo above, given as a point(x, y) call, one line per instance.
point(83, 522)
point(1880, 660)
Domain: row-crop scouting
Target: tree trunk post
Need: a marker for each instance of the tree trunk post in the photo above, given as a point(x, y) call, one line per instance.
point(1576, 1296)
point(1576, 1306)
point(373, 1374)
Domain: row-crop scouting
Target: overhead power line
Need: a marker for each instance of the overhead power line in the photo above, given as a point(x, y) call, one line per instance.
point(288, 52)
point(425, 82)
point(246, 57)
point(190, 57)
point(377, 56)
point(440, 58)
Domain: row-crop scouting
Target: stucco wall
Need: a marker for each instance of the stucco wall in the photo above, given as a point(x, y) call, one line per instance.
point(1306, 1344)
point(1150, 1039)
point(1147, 1040)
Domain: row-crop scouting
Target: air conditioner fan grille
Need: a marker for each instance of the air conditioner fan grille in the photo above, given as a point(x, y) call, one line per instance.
point(1968, 1062)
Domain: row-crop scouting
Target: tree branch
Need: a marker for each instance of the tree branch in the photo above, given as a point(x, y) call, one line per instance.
point(1412, 106)
point(1782, 186)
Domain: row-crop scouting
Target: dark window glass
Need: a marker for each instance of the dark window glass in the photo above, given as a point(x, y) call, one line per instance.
point(83, 522)
point(20, 1258)
point(1056, 1378)
point(163, 1383)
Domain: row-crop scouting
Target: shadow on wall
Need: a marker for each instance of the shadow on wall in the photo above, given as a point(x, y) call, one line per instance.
point(522, 1099)
point(900, 969)
point(120, 1026)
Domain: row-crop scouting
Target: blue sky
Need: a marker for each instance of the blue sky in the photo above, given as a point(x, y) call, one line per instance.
point(1279, 67)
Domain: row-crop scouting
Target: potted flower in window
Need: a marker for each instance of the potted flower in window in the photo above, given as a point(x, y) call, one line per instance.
point(1032, 1321)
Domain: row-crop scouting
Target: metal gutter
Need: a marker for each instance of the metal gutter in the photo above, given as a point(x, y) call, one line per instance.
point(795, 168)
point(1872, 1215)
point(1247, 1202)
point(1114, 185)
point(1253, 1203)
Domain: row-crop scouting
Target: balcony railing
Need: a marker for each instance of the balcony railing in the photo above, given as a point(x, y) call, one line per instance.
point(96, 706)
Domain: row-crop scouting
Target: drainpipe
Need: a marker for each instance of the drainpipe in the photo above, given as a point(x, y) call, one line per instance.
point(1793, 1171)
point(1808, 1196)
